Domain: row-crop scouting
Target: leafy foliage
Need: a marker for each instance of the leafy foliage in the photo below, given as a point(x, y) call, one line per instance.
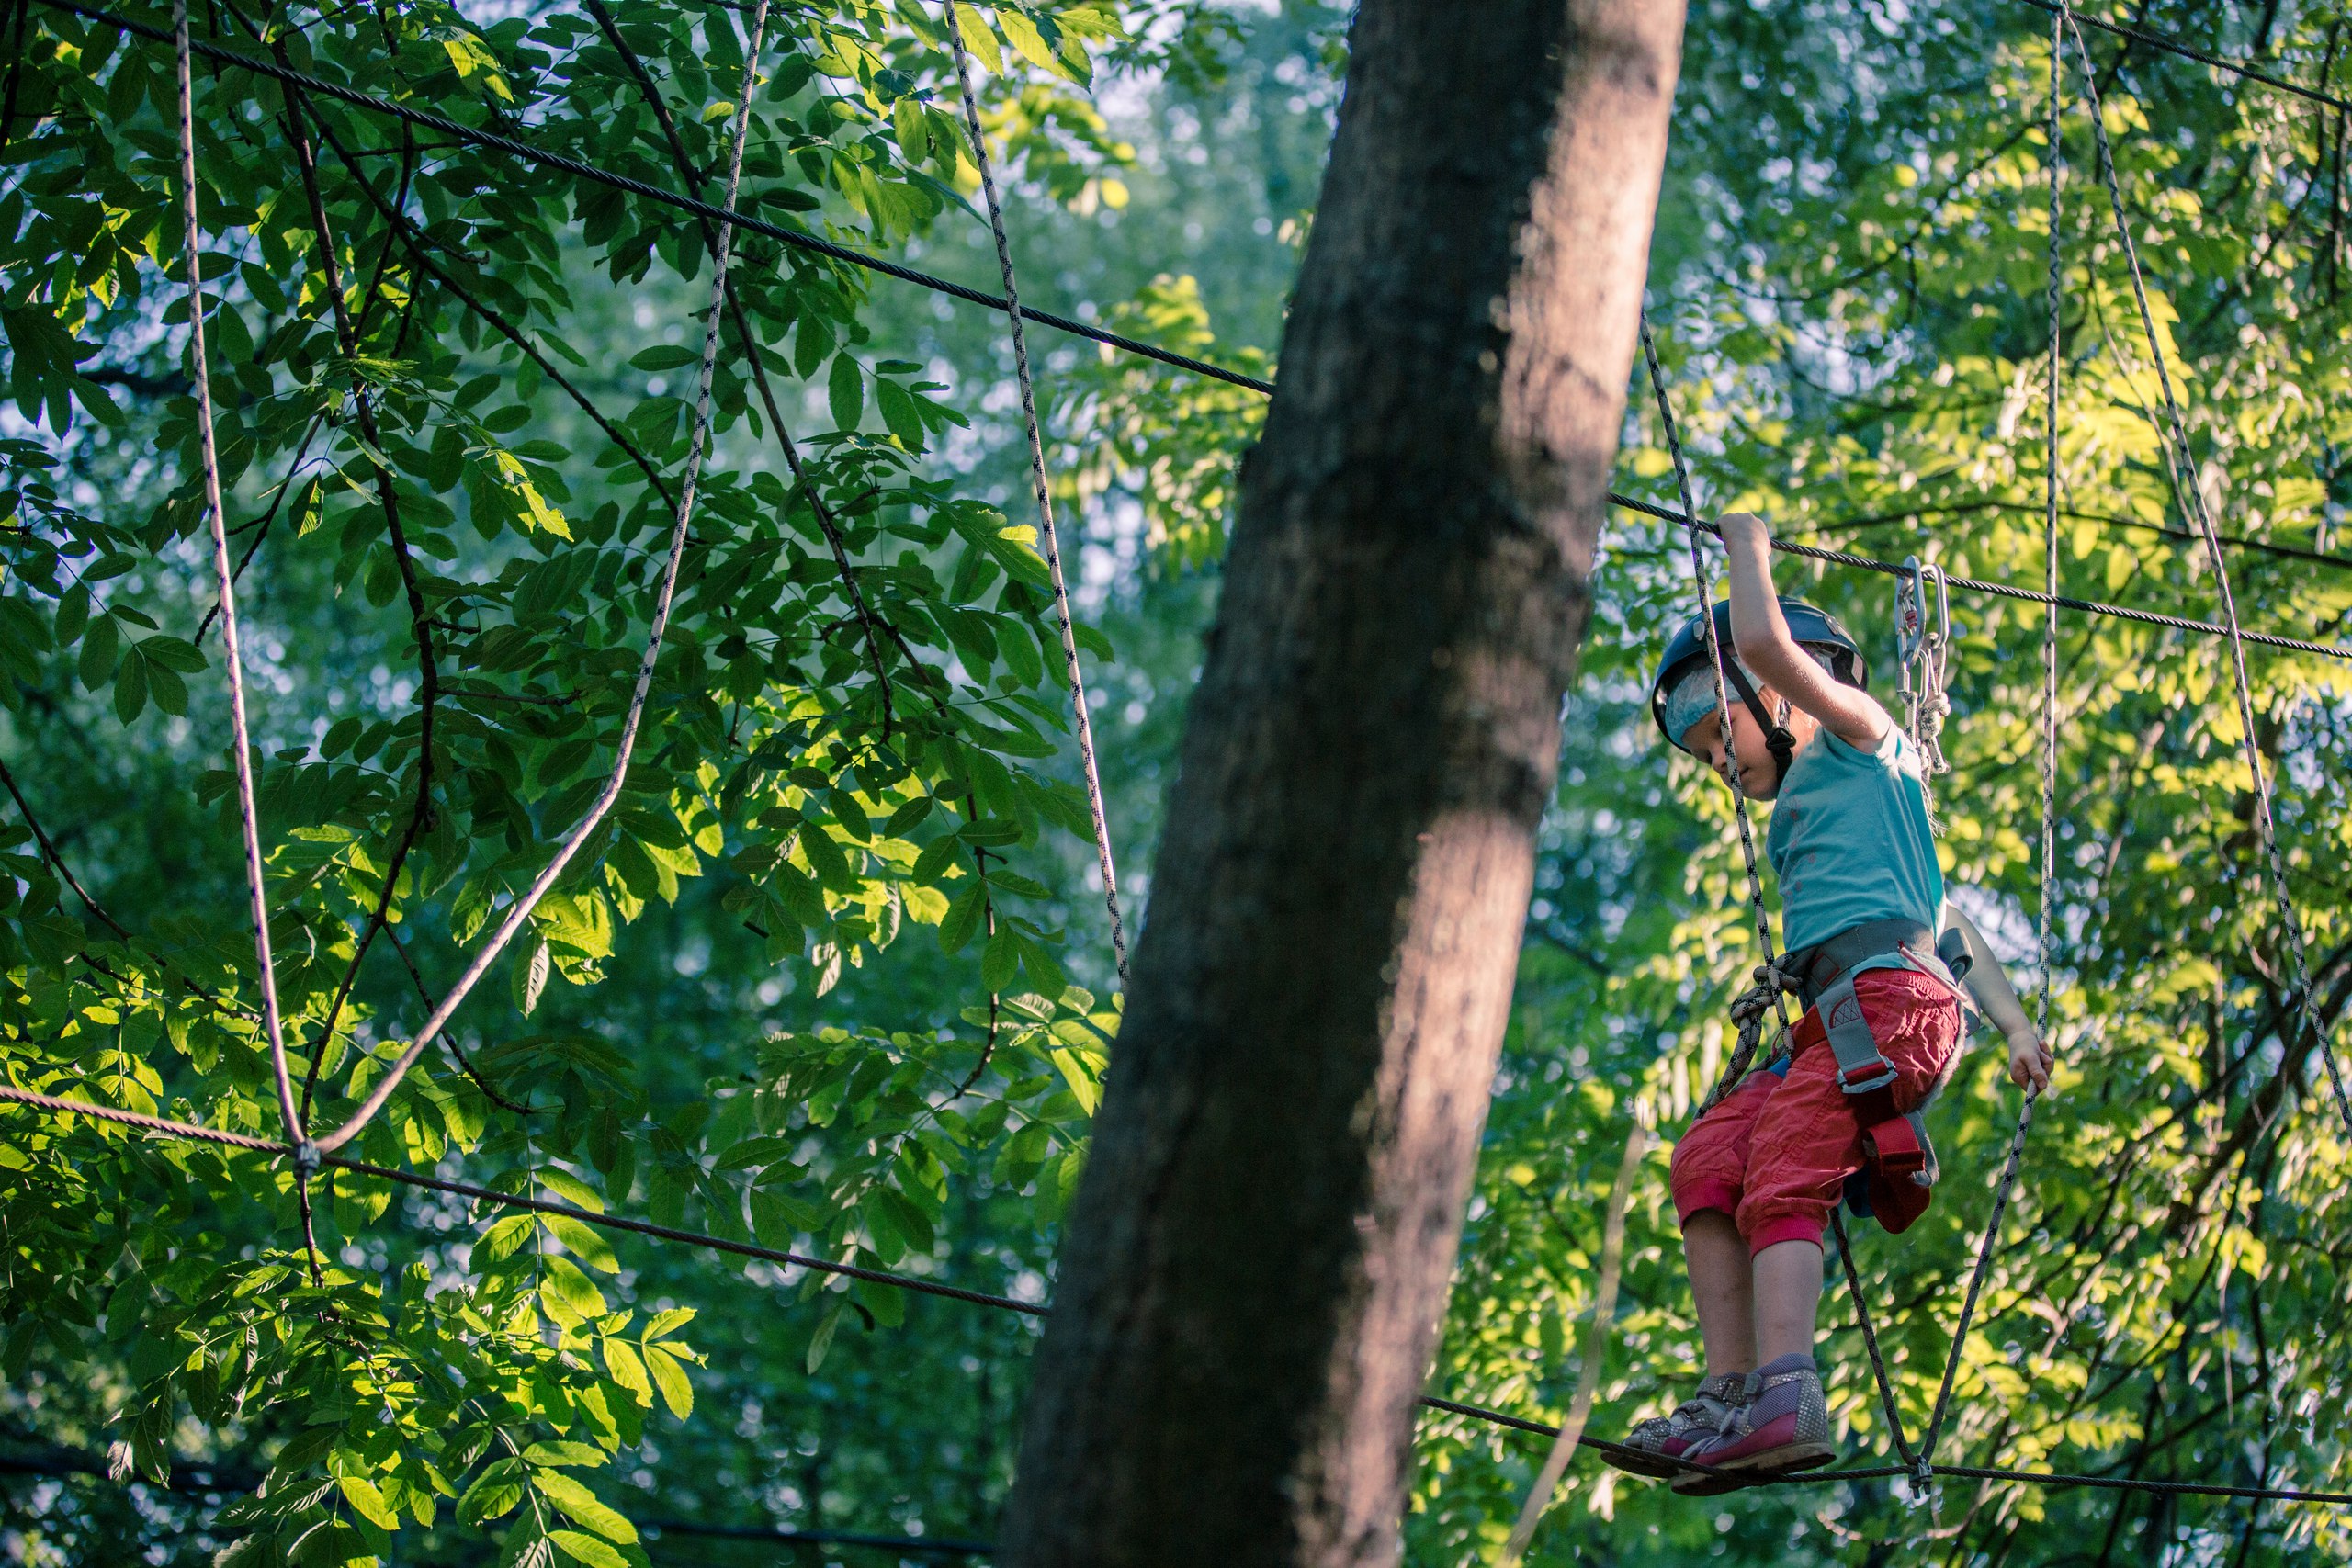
point(720, 1021)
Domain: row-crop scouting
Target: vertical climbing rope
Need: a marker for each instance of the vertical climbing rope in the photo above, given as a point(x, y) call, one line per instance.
point(1047, 534)
point(2002, 1189)
point(520, 911)
point(1703, 590)
point(232, 645)
point(2178, 452)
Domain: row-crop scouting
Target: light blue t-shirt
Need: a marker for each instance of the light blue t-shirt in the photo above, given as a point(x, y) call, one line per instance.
point(1850, 841)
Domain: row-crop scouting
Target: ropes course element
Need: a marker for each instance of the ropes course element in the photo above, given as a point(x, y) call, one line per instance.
point(165, 1126)
point(232, 645)
point(1703, 596)
point(2180, 466)
point(1888, 1471)
point(520, 911)
point(2170, 45)
point(1037, 478)
point(2007, 1182)
point(724, 219)
point(2001, 589)
point(728, 215)
point(724, 214)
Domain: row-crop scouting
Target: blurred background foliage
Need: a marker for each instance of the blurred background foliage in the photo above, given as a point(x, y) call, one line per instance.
point(733, 1030)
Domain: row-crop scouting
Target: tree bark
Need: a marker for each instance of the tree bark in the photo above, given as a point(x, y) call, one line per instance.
point(1258, 1258)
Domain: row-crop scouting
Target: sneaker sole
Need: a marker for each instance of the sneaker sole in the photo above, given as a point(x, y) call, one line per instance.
point(1657, 1468)
point(1750, 1469)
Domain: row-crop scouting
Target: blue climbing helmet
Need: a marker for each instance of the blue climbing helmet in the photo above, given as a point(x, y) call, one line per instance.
point(1808, 625)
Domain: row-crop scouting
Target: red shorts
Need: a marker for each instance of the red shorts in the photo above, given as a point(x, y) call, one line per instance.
point(1775, 1154)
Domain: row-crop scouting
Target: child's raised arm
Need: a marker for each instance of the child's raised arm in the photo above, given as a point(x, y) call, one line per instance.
point(1760, 636)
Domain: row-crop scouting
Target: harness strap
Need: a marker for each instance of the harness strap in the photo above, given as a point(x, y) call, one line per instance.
point(1777, 739)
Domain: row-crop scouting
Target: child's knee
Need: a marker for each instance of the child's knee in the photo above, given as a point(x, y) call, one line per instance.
point(1708, 1170)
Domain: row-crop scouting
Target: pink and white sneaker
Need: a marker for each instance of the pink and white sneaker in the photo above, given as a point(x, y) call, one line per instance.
point(1662, 1439)
point(1781, 1425)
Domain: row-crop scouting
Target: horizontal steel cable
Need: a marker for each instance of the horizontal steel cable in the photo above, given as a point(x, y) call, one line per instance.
point(165, 1126)
point(1887, 1472)
point(2170, 45)
point(587, 171)
point(2006, 590)
point(794, 237)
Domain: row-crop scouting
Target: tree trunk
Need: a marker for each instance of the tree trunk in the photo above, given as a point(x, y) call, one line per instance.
point(1257, 1258)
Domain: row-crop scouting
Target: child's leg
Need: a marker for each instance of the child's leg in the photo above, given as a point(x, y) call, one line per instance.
point(1788, 1297)
point(1709, 1174)
point(1721, 1287)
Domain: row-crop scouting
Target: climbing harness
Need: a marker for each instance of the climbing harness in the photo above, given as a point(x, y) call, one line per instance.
point(1923, 648)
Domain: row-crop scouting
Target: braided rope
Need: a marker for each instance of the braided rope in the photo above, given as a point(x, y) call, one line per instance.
point(1703, 592)
point(232, 643)
point(1913, 1464)
point(2177, 453)
point(521, 909)
point(2007, 1182)
point(1038, 482)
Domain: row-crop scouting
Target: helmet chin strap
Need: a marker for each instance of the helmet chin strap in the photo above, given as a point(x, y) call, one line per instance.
point(1777, 739)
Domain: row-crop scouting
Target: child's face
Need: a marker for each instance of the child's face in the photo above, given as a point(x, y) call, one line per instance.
point(1759, 778)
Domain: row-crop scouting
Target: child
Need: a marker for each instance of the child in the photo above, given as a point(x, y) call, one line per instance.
point(1862, 905)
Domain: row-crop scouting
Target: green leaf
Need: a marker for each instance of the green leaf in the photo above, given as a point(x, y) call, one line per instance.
point(621, 1361)
point(823, 1340)
point(899, 411)
point(531, 965)
point(845, 392)
point(584, 1243)
point(131, 688)
point(573, 1287)
point(556, 1451)
point(584, 1507)
point(678, 1390)
point(979, 37)
point(587, 1548)
point(494, 1493)
point(1002, 959)
point(1024, 37)
point(665, 356)
point(362, 1496)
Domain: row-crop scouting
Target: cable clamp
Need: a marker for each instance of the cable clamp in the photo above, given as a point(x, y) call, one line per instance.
point(307, 1159)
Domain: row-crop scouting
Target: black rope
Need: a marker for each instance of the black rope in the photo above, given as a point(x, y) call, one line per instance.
point(913, 1545)
point(2170, 45)
point(166, 1127)
point(708, 211)
point(1913, 1464)
point(796, 238)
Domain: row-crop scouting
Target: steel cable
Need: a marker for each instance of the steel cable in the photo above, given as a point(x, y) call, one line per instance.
point(513, 146)
point(2191, 496)
point(166, 1126)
